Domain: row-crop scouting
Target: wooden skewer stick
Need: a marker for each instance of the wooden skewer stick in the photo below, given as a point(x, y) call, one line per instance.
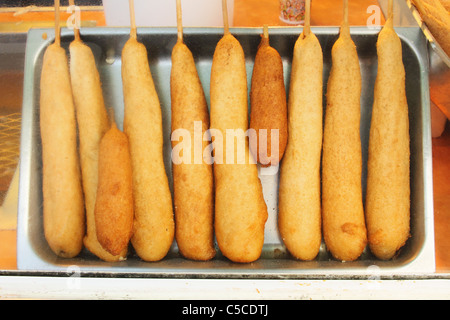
point(226, 28)
point(133, 32)
point(76, 29)
point(390, 13)
point(346, 12)
point(390, 8)
point(179, 22)
point(57, 24)
point(266, 32)
point(345, 27)
point(307, 28)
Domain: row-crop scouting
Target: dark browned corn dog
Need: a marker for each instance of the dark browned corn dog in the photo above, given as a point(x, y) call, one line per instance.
point(268, 105)
point(114, 211)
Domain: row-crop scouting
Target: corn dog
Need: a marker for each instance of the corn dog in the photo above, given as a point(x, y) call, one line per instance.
point(343, 215)
point(388, 185)
point(240, 210)
point(153, 228)
point(93, 123)
point(63, 204)
point(446, 4)
point(114, 201)
point(437, 19)
point(193, 182)
point(299, 205)
point(268, 105)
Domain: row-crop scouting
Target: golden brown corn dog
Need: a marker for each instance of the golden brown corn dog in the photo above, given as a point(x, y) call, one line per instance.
point(240, 210)
point(437, 19)
point(446, 4)
point(193, 181)
point(268, 104)
point(388, 188)
point(114, 201)
point(299, 205)
point(153, 229)
point(63, 204)
point(93, 123)
point(343, 215)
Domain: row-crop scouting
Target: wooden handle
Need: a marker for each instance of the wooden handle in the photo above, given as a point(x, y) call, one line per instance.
point(133, 32)
point(346, 12)
point(57, 24)
point(76, 30)
point(266, 32)
point(307, 28)
point(390, 19)
point(226, 28)
point(179, 21)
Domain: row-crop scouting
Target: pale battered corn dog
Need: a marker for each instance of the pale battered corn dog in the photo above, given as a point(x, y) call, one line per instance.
point(64, 220)
point(193, 181)
point(93, 123)
point(299, 204)
point(268, 105)
point(388, 185)
point(343, 214)
point(114, 202)
point(153, 229)
point(240, 210)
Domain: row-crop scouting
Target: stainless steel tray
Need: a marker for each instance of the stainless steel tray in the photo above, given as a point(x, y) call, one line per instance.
point(417, 257)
